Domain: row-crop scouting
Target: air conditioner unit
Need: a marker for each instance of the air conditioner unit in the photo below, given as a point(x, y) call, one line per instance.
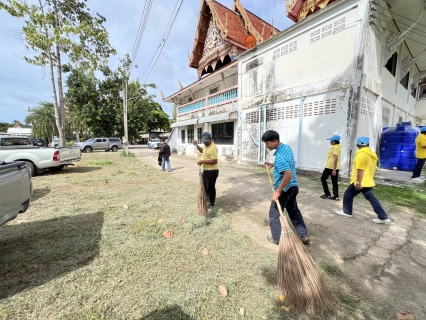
point(227, 151)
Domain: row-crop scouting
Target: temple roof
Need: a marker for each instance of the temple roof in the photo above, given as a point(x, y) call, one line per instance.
point(298, 10)
point(235, 26)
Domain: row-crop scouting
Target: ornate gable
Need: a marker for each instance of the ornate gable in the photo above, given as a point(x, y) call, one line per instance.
point(297, 10)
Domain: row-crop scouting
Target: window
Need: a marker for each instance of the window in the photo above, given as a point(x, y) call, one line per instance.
point(404, 81)
point(391, 64)
point(190, 99)
point(190, 133)
point(199, 134)
point(182, 136)
point(414, 92)
point(214, 90)
point(15, 142)
point(223, 133)
point(399, 119)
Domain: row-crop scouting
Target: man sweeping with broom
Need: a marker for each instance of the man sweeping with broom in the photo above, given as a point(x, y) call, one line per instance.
point(286, 188)
point(210, 167)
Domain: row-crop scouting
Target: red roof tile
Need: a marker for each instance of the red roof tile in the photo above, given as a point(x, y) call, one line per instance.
point(261, 26)
point(232, 22)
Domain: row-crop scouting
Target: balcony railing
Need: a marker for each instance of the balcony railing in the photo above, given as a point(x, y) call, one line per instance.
point(212, 100)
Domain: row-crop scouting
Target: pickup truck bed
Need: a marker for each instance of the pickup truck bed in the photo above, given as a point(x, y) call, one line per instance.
point(15, 190)
point(38, 159)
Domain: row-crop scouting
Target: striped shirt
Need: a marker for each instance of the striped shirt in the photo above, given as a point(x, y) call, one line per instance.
point(284, 160)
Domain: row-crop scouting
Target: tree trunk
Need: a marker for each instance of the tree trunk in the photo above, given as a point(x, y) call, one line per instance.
point(60, 123)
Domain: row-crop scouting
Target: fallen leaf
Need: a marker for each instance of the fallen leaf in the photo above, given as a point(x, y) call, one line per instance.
point(404, 315)
point(205, 251)
point(168, 234)
point(106, 181)
point(160, 220)
point(181, 220)
point(156, 212)
point(242, 311)
point(223, 291)
point(286, 309)
point(282, 298)
point(105, 204)
point(125, 206)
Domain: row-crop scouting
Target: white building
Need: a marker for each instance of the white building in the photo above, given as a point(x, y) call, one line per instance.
point(345, 67)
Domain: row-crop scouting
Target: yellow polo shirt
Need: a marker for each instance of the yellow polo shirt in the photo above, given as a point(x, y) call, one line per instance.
point(334, 150)
point(420, 146)
point(210, 153)
point(365, 159)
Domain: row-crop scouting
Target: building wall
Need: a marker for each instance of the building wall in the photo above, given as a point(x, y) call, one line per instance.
point(315, 60)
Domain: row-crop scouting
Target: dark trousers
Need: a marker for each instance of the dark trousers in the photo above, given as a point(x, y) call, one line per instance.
point(325, 174)
point(209, 179)
point(288, 201)
point(418, 168)
point(351, 193)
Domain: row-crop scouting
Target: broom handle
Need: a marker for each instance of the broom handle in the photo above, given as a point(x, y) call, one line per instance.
point(198, 158)
point(273, 190)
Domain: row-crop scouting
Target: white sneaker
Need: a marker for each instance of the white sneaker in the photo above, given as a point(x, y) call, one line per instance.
point(418, 179)
point(341, 213)
point(387, 221)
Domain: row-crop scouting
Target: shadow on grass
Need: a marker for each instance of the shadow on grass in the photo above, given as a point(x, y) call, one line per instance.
point(39, 193)
point(171, 312)
point(37, 252)
point(71, 169)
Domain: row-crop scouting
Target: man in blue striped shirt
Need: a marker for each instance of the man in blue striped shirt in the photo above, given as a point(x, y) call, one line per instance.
point(286, 188)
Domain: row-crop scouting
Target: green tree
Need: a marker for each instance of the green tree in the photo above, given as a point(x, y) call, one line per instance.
point(4, 126)
point(57, 28)
point(100, 107)
point(42, 119)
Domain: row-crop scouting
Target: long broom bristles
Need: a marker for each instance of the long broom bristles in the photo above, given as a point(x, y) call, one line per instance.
point(202, 199)
point(300, 281)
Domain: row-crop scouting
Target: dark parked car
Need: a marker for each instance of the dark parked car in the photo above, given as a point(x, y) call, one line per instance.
point(38, 142)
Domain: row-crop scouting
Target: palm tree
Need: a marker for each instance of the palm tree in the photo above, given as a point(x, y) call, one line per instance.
point(43, 120)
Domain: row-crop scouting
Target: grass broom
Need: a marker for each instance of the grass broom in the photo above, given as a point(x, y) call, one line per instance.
point(299, 280)
point(202, 198)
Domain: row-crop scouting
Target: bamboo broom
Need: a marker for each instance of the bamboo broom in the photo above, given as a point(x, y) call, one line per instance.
point(299, 280)
point(202, 198)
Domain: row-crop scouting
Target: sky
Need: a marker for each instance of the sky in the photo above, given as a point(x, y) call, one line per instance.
point(23, 85)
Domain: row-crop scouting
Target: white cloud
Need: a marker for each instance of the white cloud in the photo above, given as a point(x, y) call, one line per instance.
point(23, 85)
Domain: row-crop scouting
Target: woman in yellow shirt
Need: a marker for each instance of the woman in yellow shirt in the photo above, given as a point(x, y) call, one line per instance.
point(332, 168)
point(420, 155)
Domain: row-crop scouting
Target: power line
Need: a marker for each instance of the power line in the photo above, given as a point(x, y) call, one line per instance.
point(141, 30)
point(163, 37)
point(164, 40)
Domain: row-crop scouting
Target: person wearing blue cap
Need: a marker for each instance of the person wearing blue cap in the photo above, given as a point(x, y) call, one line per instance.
point(209, 159)
point(332, 167)
point(420, 155)
point(362, 181)
point(286, 188)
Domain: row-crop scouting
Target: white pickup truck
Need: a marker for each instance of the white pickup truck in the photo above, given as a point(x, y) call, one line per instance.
point(19, 148)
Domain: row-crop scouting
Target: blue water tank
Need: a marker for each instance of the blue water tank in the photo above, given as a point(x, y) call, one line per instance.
point(397, 147)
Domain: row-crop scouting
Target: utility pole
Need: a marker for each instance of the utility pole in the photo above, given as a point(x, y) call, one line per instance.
point(126, 135)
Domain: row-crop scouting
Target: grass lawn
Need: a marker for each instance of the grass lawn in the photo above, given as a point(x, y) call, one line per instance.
point(91, 246)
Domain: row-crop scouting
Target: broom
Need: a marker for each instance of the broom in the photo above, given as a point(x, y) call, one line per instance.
point(298, 277)
point(202, 198)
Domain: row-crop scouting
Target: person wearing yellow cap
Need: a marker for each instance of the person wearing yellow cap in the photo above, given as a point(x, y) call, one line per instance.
point(332, 167)
point(420, 155)
point(362, 181)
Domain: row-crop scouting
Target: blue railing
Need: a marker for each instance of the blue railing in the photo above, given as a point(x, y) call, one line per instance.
point(219, 97)
point(193, 106)
point(225, 96)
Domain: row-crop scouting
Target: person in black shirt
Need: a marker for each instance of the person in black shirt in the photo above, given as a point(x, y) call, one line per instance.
point(165, 156)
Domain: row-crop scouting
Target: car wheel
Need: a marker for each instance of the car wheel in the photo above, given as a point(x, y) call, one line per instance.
point(87, 149)
point(114, 148)
point(31, 168)
point(107, 150)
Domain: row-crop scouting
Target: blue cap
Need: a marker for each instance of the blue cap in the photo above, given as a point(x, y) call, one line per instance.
point(363, 141)
point(334, 138)
point(423, 129)
point(206, 137)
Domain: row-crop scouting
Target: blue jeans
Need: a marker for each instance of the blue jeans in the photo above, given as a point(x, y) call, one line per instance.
point(288, 201)
point(351, 193)
point(418, 168)
point(163, 160)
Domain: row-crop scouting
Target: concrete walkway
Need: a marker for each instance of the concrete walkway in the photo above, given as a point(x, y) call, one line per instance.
point(385, 263)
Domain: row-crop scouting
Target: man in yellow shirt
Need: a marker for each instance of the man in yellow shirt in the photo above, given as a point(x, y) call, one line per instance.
point(332, 167)
point(210, 167)
point(362, 180)
point(420, 155)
